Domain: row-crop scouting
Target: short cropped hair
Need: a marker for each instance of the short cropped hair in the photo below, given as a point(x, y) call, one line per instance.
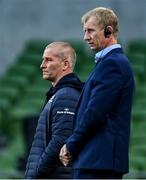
point(65, 51)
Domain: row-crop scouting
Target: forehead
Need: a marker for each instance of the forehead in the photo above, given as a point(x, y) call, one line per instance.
point(51, 51)
point(90, 22)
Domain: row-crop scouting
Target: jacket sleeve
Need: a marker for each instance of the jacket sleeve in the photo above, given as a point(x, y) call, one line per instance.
point(106, 85)
point(63, 110)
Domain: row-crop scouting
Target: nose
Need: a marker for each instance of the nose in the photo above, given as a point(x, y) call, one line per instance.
point(42, 65)
point(86, 36)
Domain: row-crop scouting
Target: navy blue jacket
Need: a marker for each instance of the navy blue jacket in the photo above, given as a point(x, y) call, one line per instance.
point(101, 138)
point(55, 125)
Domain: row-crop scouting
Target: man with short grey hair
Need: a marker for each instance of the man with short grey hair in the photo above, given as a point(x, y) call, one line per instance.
point(55, 123)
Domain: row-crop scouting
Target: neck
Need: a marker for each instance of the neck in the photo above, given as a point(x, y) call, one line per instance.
point(110, 41)
point(60, 77)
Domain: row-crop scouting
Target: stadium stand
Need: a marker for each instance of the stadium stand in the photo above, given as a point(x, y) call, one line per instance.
point(22, 95)
point(136, 52)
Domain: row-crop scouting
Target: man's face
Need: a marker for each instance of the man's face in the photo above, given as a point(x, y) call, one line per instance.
point(93, 35)
point(51, 65)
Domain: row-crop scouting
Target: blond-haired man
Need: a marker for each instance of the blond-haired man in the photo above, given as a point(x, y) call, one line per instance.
point(99, 145)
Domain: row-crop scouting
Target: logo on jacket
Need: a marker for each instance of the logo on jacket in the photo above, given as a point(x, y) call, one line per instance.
point(65, 111)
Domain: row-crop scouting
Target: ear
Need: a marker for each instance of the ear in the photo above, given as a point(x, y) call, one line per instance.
point(108, 31)
point(110, 28)
point(66, 64)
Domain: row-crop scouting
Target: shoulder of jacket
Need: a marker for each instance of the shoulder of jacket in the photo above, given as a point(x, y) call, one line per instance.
point(66, 91)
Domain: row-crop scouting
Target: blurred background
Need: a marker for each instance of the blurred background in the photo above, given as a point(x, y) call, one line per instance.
point(26, 27)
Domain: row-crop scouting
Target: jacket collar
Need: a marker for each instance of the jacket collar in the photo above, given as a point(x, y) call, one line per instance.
point(70, 80)
point(117, 50)
point(101, 54)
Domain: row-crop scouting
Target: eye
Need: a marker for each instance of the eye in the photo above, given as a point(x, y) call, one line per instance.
point(90, 30)
point(48, 59)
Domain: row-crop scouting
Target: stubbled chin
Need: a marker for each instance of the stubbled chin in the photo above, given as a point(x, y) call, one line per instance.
point(92, 47)
point(45, 77)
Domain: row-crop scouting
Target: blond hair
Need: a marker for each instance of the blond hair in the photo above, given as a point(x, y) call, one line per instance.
point(104, 16)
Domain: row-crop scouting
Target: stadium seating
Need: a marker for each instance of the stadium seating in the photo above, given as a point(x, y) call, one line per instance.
point(137, 46)
point(137, 55)
point(23, 92)
point(36, 46)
